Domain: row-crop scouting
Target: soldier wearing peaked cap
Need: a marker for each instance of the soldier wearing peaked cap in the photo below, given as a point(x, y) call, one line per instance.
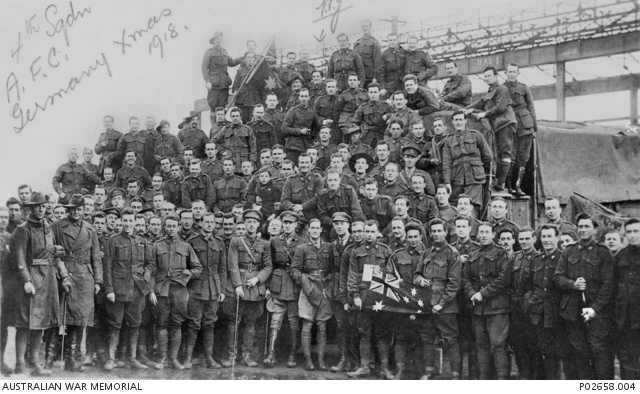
point(33, 256)
point(283, 290)
point(84, 265)
point(249, 266)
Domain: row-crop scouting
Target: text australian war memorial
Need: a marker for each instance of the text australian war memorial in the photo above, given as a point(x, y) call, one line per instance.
point(362, 211)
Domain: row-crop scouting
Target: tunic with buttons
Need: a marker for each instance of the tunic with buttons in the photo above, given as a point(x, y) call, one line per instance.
point(363, 254)
point(381, 209)
point(519, 272)
point(172, 257)
point(341, 63)
point(457, 90)
point(593, 262)
point(168, 145)
point(442, 268)
point(326, 106)
point(84, 265)
point(71, 178)
point(324, 154)
point(422, 207)
point(542, 297)
point(281, 283)
point(212, 255)
point(369, 117)
point(240, 141)
point(344, 200)
point(213, 169)
point(108, 152)
point(627, 301)
point(473, 232)
point(370, 50)
point(405, 177)
point(523, 107)
point(242, 267)
point(465, 155)
point(196, 139)
point(214, 67)
point(229, 191)
point(424, 101)
point(348, 103)
point(340, 251)
point(408, 118)
point(198, 188)
point(172, 191)
point(297, 118)
point(499, 225)
point(316, 91)
point(128, 262)
point(406, 260)
point(394, 189)
point(391, 69)
point(135, 141)
point(150, 161)
point(421, 65)
point(265, 133)
point(487, 271)
point(135, 172)
point(276, 118)
point(497, 105)
point(302, 189)
point(313, 269)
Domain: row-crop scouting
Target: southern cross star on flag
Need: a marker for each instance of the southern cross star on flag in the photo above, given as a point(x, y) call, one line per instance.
point(389, 293)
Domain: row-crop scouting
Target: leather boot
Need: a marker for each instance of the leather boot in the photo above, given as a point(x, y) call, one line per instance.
point(321, 338)
point(520, 174)
point(35, 340)
point(176, 337)
point(69, 349)
point(192, 335)
point(77, 354)
point(22, 337)
point(207, 340)
point(163, 343)
point(247, 344)
point(501, 175)
point(270, 361)
point(362, 371)
point(247, 360)
point(509, 182)
point(383, 351)
point(306, 347)
point(343, 363)
point(429, 374)
point(291, 362)
point(113, 344)
point(142, 348)
point(400, 372)
point(230, 361)
point(132, 360)
point(49, 353)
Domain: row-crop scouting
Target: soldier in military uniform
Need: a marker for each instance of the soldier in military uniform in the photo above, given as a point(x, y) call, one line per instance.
point(33, 258)
point(419, 63)
point(300, 127)
point(214, 71)
point(274, 116)
point(421, 206)
point(191, 135)
point(71, 178)
point(370, 252)
point(400, 114)
point(132, 171)
point(626, 305)
point(542, 306)
point(325, 148)
point(457, 90)
point(205, 292)
point(419, 98)
point(151, 134)
point(410, 154)
point(441, 270)
point(343, 61)
point(133, 140)
point(304, 68)
point(337, 198)
point(313, 269)
point(326, 107)
point(168, 145)
point(248, 268)
point(553, 215)
point(359, 164)
point(185, 217)
point(525, 113)
point(370, 117)
point(377, 207)
point(317, 87)
point(238, 140)
point(432, 163)
point(282, 292)
point(247, 92)
point(464, 170)
point(177, 264)
point(128, 272)
point(87, 154)
point(197, 186)
point(496, 107)
point(211, 166)
point(369, 49)
point(465, 244)
point(585, 277)
point(499, 220)
point(396, 237)
point(107, 145)
point(172, 188)
point(287, 71)
point(485, 279)
point(264, 131)
point(521, 332)
point(300, 192)
point(391, 68)
point(393, 187)
point(230, 189)
point(84, 265)
point(294, 85)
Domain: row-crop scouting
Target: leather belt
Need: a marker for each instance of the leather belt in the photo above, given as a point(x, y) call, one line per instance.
point(175, 272)
point(319, 273)
point(280, 266)
point(48, 261)
point(249, 267)
point(71, 258)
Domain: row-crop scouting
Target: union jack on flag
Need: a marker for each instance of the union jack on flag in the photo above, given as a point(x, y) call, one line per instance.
point(387, 292)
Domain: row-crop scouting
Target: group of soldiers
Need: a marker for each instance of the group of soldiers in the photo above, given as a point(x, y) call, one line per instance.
point(145, 265)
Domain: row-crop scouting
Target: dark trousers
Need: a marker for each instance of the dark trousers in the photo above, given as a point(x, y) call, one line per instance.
point(491, 337)
point(366, 323)
point(555, 347)
point(594, 359)
point(250, 311)
point(202, 313)
point(522, 149)
point(522, 339)
point(130, 312)
point(446, 326)
point(504, 141)
point(171, 311)
point(628, 345)
point(217, 98)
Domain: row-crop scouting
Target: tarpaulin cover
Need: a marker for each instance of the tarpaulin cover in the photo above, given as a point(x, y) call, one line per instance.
point(598, 162)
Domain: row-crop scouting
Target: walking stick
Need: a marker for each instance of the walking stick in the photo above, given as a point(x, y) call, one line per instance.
point(61, 331)
point(235, 337)
point(266, 335)
point(584, 301)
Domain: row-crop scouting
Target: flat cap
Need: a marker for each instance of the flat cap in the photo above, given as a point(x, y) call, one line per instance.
point(112, 211)
point(341, 217)
point(289, 216)
point(252, 214)
point(411, 150)
point(117, 192)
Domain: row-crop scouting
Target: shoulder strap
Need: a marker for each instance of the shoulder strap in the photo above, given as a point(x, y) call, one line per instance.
point(248, 250)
